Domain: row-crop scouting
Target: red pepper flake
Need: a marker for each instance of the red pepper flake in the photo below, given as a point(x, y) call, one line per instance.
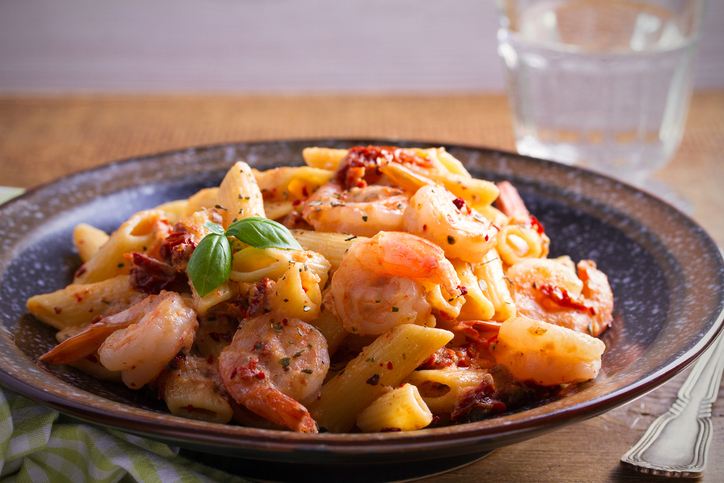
point(57, 310)
point(79, 298)
point(215, 336)
point(260, 375)
point(389, 365)
point(536, 225)
point(463, 290)
point(373, 380)
point(285, 321)
point(90, 309)
point(459, 203)
point(210, 360)
point(390, 430)
point(190, 407)
point(424, 227)
point(305, 192)
point(233, 374)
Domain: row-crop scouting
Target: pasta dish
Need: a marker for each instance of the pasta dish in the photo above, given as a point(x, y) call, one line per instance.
point(373, 289)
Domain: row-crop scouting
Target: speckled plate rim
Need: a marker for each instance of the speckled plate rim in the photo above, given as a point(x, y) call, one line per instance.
point(335, 448)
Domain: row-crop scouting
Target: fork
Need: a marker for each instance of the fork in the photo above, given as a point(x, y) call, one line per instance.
point(677, 443)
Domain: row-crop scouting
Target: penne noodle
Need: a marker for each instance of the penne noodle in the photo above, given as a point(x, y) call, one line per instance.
point(401, 409)
point(206, 198)
point(494, 285)
point(297, 294)
point(79, 304)
point(476, 306)
point(135, 235)
point(239, 195)
point(385, 362)
point(174, 210)
point(515, 242)
point(441, 388)
point(222, 293)
point(88, 240)
point(323, 158)
point(332, 246)
point(291, 183)
point(276, 210)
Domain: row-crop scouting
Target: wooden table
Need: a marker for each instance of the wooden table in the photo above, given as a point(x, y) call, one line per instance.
point(44, 138)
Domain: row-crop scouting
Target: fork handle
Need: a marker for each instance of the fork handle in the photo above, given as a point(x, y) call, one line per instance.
point(676, 444)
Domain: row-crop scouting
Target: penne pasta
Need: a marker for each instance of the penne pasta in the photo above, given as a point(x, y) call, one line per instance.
point(203, 199)
point(441, 388)
point(79, 304)
point(138, 234)
point(515, 242)
point(332, 246)
point(401, 409)
point(190, 392)
point(291, 183)
point(239, 195)
point(323, 158)
point(88, 240)
point(476, 306)
point(494, 286)
point(385, 362)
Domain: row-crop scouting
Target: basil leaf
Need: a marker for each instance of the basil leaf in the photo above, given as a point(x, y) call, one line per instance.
point(263, 233)
point(214, 227)
point(210, 263)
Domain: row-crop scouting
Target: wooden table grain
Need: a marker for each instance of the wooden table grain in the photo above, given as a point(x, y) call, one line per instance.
point(43, 138)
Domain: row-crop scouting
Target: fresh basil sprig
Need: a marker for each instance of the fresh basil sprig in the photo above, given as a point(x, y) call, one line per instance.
point(210, 263)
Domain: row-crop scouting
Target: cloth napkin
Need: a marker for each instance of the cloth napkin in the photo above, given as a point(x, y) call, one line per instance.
point(38, 444)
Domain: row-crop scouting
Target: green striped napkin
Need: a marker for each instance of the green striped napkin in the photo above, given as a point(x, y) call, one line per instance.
point(41, 445)
point(38, 444)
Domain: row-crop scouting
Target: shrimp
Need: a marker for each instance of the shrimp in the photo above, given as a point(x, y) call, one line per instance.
point(545, 353)
point(441, 217)
point(510, 202)
point(358, 211)
point(271, 365)
point(393, 279)
point(549, 290)
point(139, 341)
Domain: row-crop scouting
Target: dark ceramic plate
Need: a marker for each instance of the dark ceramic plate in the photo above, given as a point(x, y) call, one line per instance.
point(666, 273)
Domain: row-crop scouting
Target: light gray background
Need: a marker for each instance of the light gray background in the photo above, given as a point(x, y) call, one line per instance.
point(267, 46)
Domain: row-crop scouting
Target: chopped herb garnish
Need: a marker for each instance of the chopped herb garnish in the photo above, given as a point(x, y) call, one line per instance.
point(285, 361)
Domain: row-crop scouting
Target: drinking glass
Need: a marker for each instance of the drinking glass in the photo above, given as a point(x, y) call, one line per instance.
point(603, 84)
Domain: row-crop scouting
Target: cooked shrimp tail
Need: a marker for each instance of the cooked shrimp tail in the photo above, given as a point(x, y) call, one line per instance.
point(273, 363)
point(269, 402)
point(510, 202)
point(90, 339)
